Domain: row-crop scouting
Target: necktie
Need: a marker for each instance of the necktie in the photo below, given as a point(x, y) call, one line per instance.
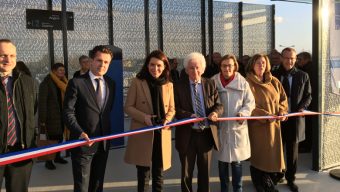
point(99, 93)
point(11, 127)
point(285, 84)
point(198, 106)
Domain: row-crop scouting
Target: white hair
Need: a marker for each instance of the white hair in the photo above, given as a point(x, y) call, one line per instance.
point(196, 56)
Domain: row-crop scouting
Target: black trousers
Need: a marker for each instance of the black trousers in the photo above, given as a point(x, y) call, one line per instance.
point(17, 175)
point(291, 149)
point(89, 169)
point(143, 173)
point(263, 181)
point(200, 149)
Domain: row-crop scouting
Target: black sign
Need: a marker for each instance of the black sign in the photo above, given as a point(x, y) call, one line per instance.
point(44, 19)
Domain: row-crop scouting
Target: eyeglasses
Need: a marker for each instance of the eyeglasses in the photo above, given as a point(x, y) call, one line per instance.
point(228, 66)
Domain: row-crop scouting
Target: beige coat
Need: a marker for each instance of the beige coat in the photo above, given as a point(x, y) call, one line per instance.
point(236, 98)
point(265, 136)
point(138, 103)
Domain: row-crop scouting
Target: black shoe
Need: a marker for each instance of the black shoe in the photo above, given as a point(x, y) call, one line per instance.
point(293, 187)
point(50, 165)
point(60, 160)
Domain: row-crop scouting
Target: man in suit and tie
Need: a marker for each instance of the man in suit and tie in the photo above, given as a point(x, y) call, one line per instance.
point(297, 86)
point(17, 124)
point(87, 106)
point(196, 96)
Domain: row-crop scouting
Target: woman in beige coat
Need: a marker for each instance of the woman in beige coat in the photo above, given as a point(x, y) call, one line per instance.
point(265, 135)
point(237, 100)
point(149, 102)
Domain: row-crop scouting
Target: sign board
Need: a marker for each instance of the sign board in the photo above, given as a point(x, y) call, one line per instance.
point(45, 19)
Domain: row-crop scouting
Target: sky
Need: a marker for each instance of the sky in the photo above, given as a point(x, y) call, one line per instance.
point(293, 24)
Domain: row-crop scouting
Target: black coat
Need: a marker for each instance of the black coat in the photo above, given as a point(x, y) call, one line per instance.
point(82, 113)
point(50, 110)
point(300, 98)
point(25, 103)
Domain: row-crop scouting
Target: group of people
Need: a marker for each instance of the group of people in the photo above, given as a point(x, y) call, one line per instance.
point(84, 104)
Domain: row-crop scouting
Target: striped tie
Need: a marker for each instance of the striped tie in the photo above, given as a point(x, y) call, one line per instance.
point(198, 106)
point(11, 129)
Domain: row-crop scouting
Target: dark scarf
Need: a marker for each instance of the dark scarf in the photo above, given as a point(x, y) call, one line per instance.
point(155, 86)
point(285, 82)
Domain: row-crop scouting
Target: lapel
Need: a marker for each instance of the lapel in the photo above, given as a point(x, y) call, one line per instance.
point(107, 95)
point(165, 94)
point(186, 92)
point(204, 90)
point(147, 93)
point(90, 87)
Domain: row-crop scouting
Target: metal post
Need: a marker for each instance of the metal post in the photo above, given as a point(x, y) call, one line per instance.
point(203, 29)
point(240, 30)
point(210, 30)
point(273, 27)
point(160, 24)
point(110, 21)
point(50, 36)
point(64, 32)
point(316, 70)
point(147, 27)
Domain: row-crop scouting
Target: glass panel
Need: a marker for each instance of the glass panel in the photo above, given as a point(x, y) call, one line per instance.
point(32, 44)
point(257, 33)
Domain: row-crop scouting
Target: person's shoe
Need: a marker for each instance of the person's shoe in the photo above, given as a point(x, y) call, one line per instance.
point(293, 187)
point(50, 165)
point(60, 160)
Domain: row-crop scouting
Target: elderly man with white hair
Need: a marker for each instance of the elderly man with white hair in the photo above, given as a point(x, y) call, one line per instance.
point(196, 96)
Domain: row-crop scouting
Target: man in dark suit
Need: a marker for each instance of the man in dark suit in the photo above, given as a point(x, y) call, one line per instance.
point(84, 62)
point(196, 97)
point(87, 106)
point(17, 125)
point(297, 86)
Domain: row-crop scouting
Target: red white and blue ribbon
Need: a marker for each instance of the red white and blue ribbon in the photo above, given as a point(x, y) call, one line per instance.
point(41, 151)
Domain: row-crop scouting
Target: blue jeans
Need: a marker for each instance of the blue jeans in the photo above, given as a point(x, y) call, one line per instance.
point(236, 170)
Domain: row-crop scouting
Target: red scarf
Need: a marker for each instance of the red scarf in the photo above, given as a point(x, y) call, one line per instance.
point(225, 81)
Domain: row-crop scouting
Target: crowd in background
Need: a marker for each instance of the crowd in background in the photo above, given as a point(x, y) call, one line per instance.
point(260, 85)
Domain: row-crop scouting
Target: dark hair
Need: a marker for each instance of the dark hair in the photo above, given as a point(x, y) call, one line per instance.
point(5, 41)
point(142, 74)
point(56, 66)
point(82, 58)
point(21, 67)
point(102, 49)
point(232, 57)
point(252, 61)
point(305, 55)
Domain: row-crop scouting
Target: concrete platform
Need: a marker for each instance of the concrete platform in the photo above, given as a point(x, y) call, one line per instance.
point(121, 177)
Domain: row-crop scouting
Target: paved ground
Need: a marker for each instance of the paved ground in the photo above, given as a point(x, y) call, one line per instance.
point(121, 177)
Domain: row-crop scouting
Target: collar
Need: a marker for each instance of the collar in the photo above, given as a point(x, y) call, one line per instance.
point(9, 75)
point(198, 82)
point(93, 77)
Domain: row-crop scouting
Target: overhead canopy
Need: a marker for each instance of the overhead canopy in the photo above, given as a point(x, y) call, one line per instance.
point(297, 1)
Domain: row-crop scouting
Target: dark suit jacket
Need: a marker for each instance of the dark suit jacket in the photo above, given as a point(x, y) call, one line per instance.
point(81, 111)
point(184, 109)
point(300, 98)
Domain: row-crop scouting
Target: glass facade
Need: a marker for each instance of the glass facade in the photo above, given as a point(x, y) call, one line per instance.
point(181, 31)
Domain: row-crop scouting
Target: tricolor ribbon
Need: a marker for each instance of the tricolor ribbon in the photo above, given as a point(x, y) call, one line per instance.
point(41, 151)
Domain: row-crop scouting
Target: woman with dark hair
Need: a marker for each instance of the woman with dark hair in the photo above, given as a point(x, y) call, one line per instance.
point(149, 102)
point(265, 135)
point(51, 96)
